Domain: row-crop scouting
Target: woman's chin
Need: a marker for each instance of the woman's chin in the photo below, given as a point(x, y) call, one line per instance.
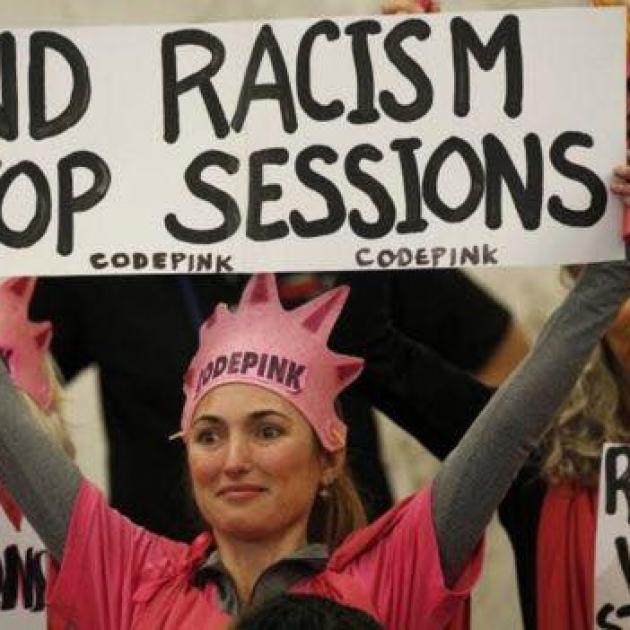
point(245, 531)
point(244, 522)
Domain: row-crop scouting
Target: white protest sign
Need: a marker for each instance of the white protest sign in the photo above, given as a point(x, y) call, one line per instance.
point(23, 562)
point(449, 140)
point(612, 552)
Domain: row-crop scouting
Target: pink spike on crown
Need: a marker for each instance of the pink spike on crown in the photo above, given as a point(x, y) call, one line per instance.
point(23, 344)
point(283, 351)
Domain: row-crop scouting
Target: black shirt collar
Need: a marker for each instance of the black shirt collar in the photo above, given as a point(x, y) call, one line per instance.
point(278, 578)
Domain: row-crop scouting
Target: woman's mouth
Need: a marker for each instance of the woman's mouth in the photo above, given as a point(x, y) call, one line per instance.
point(240, 492)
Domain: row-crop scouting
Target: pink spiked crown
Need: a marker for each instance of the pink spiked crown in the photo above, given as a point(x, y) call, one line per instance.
point(23, 344)
point(282, 351)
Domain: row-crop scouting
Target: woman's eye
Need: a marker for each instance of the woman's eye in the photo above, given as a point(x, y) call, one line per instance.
point(270, 431)
point(207, 437)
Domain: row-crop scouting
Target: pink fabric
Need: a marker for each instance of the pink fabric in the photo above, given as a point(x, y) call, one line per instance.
point(566, 558)
point(54, 620)
point(397, 561)
point(23, 344)
point(117, 576)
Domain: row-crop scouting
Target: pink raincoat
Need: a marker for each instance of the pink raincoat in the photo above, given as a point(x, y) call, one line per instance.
point(118, 576)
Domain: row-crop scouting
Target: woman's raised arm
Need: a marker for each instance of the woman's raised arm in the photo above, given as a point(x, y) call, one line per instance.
point(38, 474)
point(478, 473)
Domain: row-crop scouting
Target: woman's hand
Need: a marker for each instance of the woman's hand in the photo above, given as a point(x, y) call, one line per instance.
point(394, 7)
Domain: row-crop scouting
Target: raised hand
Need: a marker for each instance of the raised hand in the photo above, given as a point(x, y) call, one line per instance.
point(394, 7)
point(621, 182)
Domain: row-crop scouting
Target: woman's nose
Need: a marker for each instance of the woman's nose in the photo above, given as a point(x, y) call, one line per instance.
point(238, 457)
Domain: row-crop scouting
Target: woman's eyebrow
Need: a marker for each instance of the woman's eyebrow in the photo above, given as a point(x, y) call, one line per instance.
point(207, 419)
point(265, 413)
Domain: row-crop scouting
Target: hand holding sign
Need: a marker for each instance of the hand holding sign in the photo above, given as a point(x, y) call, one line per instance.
point(394, 7)
point(621, 186)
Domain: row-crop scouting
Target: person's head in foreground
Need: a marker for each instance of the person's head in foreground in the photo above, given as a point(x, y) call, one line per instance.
point(24, 351)
point(305, 612)
point(265, 446)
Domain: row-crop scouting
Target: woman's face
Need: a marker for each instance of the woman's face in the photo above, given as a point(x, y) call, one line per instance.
point(254, 463)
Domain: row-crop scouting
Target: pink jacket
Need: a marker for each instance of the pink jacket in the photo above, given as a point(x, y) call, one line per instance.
point(118, 576)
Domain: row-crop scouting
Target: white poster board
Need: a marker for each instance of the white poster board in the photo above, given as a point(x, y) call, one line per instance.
point(312, 144)
point(23, 560)
point(612, 553)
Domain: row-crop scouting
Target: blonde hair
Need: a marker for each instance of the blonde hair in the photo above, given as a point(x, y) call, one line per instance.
point(52, 423)
point(571, 448)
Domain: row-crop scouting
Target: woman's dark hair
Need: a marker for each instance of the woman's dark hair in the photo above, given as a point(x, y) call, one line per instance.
point(304, 612)
point(334, 518)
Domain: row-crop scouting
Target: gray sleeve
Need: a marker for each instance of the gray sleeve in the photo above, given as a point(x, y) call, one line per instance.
point(478, 473)
point(38, 474)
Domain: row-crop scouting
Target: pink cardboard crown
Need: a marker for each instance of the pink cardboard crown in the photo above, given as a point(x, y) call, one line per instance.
point(283, 351)
point(23, 344)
